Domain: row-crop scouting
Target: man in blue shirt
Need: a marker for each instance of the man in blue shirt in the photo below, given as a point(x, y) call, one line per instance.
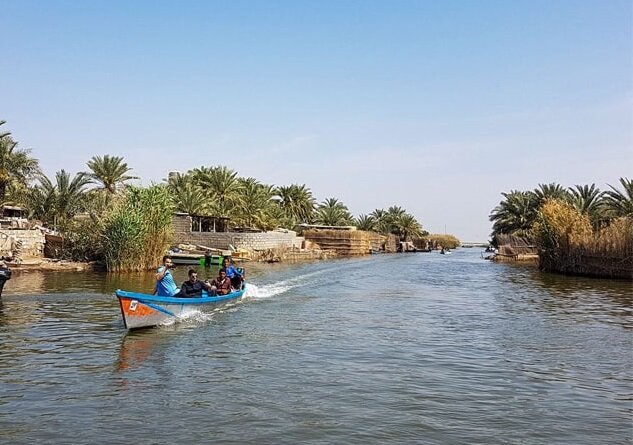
point(165, 284)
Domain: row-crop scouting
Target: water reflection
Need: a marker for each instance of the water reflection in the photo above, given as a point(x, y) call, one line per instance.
point(567, 297)
point(23, 313)
point(136, 347)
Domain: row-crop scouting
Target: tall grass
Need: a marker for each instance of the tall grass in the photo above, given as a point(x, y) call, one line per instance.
point(568, 244)
point(137, 232)
point(446, 241)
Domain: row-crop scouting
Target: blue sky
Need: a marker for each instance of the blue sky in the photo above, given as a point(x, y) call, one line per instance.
point(437, 107)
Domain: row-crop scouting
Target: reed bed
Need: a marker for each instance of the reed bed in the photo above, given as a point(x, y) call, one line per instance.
point(137, 233)
point(568, 244)
point(437, 241)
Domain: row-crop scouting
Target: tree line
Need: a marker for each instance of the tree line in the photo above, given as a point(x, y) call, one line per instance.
point(100, 192)
point(519, 210)
point(578, 230)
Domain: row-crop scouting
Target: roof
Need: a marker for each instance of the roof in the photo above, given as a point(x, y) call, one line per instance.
point(318, 226)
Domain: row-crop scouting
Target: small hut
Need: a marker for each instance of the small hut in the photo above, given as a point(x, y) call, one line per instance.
point(514, 248)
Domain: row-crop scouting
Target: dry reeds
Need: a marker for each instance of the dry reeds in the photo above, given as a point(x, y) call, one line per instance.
point(568, 245)
point(446, 241)
point(343, 242)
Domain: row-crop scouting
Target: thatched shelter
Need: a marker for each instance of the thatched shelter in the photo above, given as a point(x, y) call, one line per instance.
point(514, 248)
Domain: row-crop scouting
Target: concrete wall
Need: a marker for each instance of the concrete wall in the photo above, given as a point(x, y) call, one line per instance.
point(221, 240)
point(32, 242)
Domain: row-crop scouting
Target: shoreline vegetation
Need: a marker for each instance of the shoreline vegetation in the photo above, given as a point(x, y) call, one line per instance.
point(104, 220)
point(575, 231)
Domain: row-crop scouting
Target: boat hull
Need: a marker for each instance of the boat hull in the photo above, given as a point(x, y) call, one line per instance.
point(144, 310)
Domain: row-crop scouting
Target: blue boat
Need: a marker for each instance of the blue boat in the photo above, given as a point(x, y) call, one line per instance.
point(144, 310)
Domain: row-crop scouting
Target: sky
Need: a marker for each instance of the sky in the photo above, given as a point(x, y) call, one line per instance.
point(436, 107)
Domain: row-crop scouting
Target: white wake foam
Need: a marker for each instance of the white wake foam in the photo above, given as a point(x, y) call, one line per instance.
point(279, 287)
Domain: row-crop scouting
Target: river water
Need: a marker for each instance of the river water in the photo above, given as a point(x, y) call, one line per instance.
point(390, 349)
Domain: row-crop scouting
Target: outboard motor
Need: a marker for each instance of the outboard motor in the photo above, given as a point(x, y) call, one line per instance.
point(5, 275)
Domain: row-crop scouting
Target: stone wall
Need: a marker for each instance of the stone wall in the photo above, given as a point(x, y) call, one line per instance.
point(220, 240)
point(32, 242)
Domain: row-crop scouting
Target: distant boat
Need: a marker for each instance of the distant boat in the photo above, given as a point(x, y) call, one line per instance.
point(145, 310)
point(198, 259)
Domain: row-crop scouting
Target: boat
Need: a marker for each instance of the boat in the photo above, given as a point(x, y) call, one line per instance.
point(5, 275)
point(197, 259)
point(145, 310)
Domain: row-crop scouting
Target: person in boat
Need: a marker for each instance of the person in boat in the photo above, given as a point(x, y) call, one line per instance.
point(221, 285)
point(165, 284)
point(234, 274)
point(193, 287)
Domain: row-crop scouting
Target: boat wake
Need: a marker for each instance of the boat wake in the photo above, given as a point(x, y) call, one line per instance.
point(192, 316)
point(272, 289)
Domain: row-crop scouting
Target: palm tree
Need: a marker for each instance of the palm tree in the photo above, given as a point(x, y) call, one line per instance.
point(221, 185)
point(381, 221)
point(187, 196)
point(394, 213)
point(550, 191)
point(58, 203)
point(190, 199)
point(619, 203)
point(332, 212)
point(256, 208)
point(41, 201)
point(588, 200)
point(365, 222)
point(409, 227)
point(70, 193)
point(16, 166)
point(515, 214)
point(109, 171)
point(297, 203)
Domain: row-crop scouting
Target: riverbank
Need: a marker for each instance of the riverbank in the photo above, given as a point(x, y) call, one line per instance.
point(51, 264)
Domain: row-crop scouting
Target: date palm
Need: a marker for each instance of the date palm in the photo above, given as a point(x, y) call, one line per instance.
point(588, 199)
point(16, 165)
point(58, 203)
point(408, 227)
point(190, 199)
point(297, 203)
point(381, 221)
point(365, 222)
point(221, 185)
point(187, 196)
point(550, 191)
point(620, 202)
point(332, 212)
point(256, 208)
point(515, 214)
point(109, 171)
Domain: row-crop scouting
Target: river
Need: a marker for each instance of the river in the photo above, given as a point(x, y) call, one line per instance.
point(389, 349)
